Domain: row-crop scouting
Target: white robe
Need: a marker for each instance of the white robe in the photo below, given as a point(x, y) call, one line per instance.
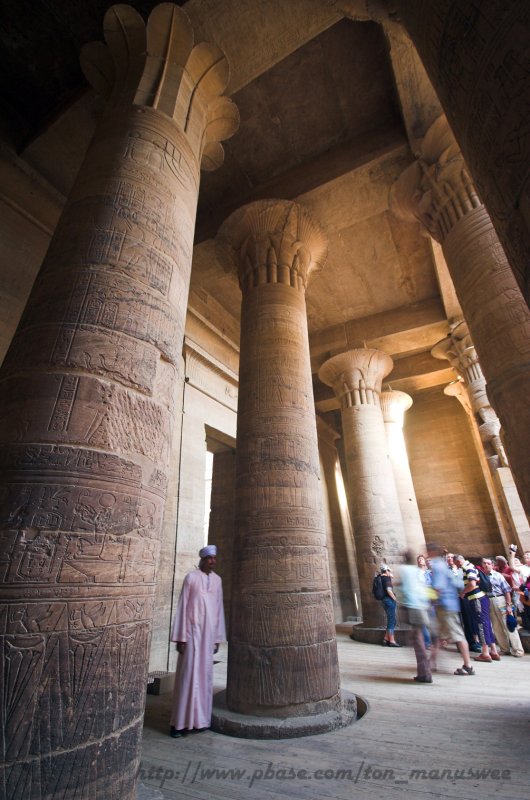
point(200, 623)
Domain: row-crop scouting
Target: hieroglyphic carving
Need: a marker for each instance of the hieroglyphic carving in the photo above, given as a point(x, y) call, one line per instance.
point(82, 410)
point(87, 397)
point(112, 354)
point(302, 614)
point(278, 687)
point(280, 559)
point(301, 567)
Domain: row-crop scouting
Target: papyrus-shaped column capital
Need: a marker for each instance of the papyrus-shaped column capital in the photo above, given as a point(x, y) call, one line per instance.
point(437, 189)
point(459, 350)
point(272, 241)
point(456, 389)
point(394, 404)
point(158, 65)
point(356, 376)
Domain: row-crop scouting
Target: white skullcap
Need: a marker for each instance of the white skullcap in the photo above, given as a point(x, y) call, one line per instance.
point(209, 550)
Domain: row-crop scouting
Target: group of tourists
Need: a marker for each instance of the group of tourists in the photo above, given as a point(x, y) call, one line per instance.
point(445, 598)
point(441, 596)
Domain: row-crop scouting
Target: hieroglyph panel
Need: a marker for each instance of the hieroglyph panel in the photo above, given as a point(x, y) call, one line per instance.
point(87, 398)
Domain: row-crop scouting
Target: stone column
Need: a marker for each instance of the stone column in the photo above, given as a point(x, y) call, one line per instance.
point(476, 55)
point(282, 651)
point(356, 378)
point(394, 404)
point(86, 396)
point(438, 191)
point(341, 546)
point(459, 350)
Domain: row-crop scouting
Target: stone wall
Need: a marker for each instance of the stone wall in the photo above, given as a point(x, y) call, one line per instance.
point(222, 520)
point(209, 401)
point(452, 495)
point(29, 210)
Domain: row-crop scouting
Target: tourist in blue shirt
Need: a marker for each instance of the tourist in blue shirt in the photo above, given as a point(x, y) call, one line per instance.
point(448, 607)
point(415, 609)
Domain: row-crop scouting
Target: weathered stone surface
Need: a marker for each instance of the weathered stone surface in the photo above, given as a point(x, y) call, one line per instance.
point(471, 391)
point(356, 378)
point(476, 55)
point(342, 559)
point(318, 719)
point(394, 405)
point(87, 397)
point(332, 113)
point(438, 191)
point(282, 655)
point(452, 494)
point(144, 792)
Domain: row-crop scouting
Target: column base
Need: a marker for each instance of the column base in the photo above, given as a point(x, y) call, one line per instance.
point(376, 635)
point(246, 726)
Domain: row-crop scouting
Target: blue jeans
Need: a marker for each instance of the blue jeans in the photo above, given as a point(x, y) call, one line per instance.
point(390, 610)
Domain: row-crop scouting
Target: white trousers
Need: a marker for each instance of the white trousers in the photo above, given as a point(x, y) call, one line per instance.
point(508, 642)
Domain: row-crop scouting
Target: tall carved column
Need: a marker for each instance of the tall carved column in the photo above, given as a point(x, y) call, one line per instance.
point(282, 651)
point(86, 398)
point(356, 378)
point(394, 404)
point(438, 191)
point(459, 350)
point(476, 55)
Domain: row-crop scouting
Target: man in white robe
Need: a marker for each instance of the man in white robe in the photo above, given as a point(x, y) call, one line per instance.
point(198, 628)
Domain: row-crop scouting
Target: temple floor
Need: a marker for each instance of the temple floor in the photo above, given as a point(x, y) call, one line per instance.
point(459, 737)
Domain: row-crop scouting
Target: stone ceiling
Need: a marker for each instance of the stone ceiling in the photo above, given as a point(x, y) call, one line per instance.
point(331, 109)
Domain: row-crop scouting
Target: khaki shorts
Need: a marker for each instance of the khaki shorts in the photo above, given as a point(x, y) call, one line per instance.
point(450, 627)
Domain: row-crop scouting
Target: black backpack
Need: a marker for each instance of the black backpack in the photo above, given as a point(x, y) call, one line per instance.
point(378, 589)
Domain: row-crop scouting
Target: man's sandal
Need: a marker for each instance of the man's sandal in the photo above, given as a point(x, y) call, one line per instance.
point(463, 670)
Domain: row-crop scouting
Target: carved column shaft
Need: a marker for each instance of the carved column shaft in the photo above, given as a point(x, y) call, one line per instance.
point(438, 191)
point(282, 650)
point(476, 55)
point(86, 393)
point(394, 404)
point(356, 378)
